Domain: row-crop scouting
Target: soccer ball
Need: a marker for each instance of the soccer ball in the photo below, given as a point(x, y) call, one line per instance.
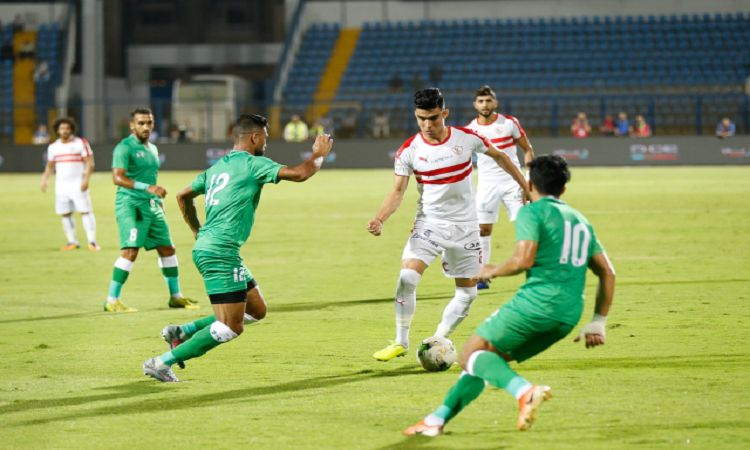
point(436, 354)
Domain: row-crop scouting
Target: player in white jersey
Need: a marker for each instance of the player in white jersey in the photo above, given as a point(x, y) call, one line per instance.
point(72, 161)
point(496, 186)
point(446, 224)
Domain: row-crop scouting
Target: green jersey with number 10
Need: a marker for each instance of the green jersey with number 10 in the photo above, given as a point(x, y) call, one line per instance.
point(232, 188)
point(554, 285)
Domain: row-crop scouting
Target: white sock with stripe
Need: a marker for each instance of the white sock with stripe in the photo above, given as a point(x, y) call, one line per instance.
point(69, 227)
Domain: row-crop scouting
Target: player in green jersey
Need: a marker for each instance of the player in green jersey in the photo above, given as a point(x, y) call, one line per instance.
point(555, 245)
point(140, 212)
point(232, 188)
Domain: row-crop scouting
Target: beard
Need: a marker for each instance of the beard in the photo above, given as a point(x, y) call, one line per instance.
point(260, 151)
point(489, 114)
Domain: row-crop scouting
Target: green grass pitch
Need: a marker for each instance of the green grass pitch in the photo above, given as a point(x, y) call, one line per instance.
point(674, 371)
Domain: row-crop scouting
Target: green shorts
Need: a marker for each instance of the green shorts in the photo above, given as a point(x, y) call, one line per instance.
point(142, 224)
point(521, 335)
point(222, 274)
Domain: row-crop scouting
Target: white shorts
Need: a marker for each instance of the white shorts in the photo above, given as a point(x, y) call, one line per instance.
point(458, 246)
point(69, 200)
point(491, 193)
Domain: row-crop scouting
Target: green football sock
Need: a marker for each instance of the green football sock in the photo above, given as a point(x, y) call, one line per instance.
point(193, 327)
point(171, 273)
point(461, 394)
point(119, 277)
point(201, 343)
point(493, 368)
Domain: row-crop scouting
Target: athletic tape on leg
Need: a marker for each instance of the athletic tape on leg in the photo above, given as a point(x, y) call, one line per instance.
point(222, 333)
point(168, 261)
point(124, 264)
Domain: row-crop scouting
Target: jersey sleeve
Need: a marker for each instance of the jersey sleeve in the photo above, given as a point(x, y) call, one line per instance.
point(121, 157)
point(199, 184)
point(85, 148)
point(516, 131)
point(50, 153)
point(480, 143)
point(264, 170)
point(404, 164)
point(528, 225)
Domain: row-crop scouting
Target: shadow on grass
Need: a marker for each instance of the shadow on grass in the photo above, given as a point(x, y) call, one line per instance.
point(659, 362)
point(188, 402)
point(418, 441)
point(60, 317)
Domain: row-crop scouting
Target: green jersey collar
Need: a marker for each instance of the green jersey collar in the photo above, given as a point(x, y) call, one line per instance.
point(552, 198)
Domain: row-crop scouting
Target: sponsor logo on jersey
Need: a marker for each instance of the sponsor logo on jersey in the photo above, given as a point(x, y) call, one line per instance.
point(572, 154)
point(422, 159)
point(653, 152)
point(458, 150)
point(476, 245)
point(735, 152)
point(446, 268)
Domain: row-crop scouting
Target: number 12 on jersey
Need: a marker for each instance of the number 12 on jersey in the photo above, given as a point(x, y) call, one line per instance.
point(577, 239)
point(217, 183)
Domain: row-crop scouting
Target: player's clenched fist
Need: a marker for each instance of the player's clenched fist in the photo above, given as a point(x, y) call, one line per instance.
point(322, 145)
point(375, 226)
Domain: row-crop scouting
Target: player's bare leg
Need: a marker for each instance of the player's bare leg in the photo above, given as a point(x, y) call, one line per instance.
point(458, 308)
point(123, 266)
point(170, 270)
point(485, 237)
point(406, 305)
point(69, 227)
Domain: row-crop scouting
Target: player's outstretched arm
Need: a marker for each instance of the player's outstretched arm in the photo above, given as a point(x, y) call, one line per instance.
point(507, 165)
point(521, 261)
point(390, 205)
point(186, 202)
point(120, 179)
point(605, 293)
point(528, 151)
point(307, 169)
point(49, 170)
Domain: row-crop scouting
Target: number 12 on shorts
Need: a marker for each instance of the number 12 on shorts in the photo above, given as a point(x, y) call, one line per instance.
point(239, 274)
point(577, 239)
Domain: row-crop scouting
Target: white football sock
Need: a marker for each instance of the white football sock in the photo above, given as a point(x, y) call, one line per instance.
point(406, 304)
point(456, 311)
point(69, 227)
point(486, 248)
point(89, 224)
point(249, 320)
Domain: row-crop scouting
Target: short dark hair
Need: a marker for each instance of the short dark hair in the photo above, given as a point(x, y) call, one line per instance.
point(549, 173)
point(69, 120)
point(429, 98)
point(247, 124)
point(486, 90)
point(140, 111)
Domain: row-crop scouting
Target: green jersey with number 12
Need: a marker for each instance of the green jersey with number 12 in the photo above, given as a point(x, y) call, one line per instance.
point(554, 285)
point(232, 188)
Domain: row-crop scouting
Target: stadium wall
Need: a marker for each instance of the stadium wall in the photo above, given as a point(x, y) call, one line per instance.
point(379, 154)
point(354, 14)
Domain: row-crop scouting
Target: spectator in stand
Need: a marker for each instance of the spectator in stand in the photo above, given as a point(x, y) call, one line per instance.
point(18, 24)
point(622, 125)
point(349, 124)
point(186, 134)
point(41, 71)
point(417, 83)
point(380, 125)
point(436, 75)
point(580, 126)
point(316, 130)
point(641, 128)
point(608, 126)
point(396, 84)
point(41, 136)
point(296, 130)
point(725, 128)
point(27, 50)
point(6, 51)
point(327, 124)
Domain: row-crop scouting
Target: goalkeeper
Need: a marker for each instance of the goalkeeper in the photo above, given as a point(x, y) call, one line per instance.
point(555, 245)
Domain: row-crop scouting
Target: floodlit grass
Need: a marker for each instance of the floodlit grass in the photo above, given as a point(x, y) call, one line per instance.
point(675, 367)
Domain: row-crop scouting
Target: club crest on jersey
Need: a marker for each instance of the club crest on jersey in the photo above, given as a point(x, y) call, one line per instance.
point(458, 150)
